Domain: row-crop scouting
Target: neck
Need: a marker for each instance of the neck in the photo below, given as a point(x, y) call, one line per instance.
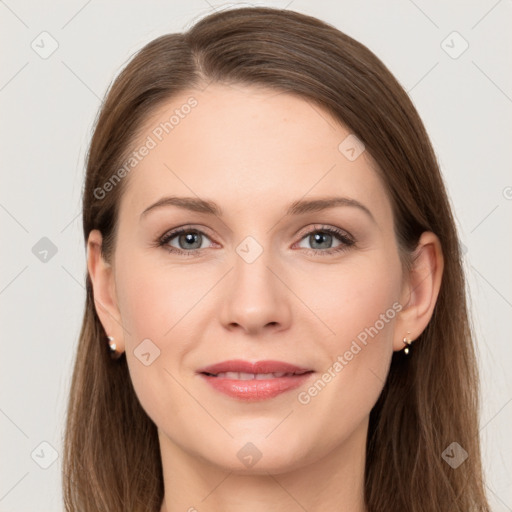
point(332, 482)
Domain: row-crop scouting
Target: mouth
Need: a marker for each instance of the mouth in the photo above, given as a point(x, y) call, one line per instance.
point(248, 381)
point(254, 376)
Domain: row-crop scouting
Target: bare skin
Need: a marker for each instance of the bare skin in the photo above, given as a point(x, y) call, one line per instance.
point(254, 151)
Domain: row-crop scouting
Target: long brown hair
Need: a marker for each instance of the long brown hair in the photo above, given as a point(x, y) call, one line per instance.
point(430, 399)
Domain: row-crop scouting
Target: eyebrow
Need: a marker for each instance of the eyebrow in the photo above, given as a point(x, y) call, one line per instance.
point(299, 207)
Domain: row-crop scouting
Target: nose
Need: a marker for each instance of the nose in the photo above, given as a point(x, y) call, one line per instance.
point(256, 299)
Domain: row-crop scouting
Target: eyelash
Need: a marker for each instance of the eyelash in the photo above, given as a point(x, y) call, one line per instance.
point(342, 236)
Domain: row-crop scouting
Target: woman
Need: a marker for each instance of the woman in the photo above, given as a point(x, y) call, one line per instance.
point(275, 315)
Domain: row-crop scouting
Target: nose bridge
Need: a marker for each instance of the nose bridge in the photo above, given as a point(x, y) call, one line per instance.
point(252, 277)
point(255, 296)
point(251, 266)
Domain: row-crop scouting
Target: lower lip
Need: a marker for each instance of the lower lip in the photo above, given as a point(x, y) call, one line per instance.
point(254, 390)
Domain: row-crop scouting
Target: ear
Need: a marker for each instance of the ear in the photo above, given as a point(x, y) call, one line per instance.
point(420, 289)
point(103, 284)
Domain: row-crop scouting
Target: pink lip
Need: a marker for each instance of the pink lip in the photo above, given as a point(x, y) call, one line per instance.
point(238, 365)
point(254, 390)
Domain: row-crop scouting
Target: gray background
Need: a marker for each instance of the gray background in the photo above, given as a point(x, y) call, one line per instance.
point(48, 107)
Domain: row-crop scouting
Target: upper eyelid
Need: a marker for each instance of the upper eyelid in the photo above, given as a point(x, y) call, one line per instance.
point(323, 227)
point(171, 233)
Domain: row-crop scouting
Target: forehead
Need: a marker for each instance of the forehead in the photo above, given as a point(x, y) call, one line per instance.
point(248, 148)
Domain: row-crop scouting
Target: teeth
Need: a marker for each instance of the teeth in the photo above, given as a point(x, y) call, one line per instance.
point(240, 376)
point(263, 376)
point(250, 376)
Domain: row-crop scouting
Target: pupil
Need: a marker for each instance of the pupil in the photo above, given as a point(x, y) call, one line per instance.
point(318, 238)
point(189, 237)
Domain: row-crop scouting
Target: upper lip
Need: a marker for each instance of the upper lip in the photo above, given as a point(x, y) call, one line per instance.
point(238, 365)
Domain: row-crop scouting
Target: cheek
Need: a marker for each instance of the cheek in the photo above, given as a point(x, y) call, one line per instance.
point(165, 304)
point(152, 303)
point(153, 300)
point(360, 305)
point(356, 297)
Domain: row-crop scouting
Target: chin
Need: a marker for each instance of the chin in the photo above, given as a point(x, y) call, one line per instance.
point(255, 455)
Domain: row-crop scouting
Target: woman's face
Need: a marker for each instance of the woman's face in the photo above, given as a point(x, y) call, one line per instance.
point(263, 279)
